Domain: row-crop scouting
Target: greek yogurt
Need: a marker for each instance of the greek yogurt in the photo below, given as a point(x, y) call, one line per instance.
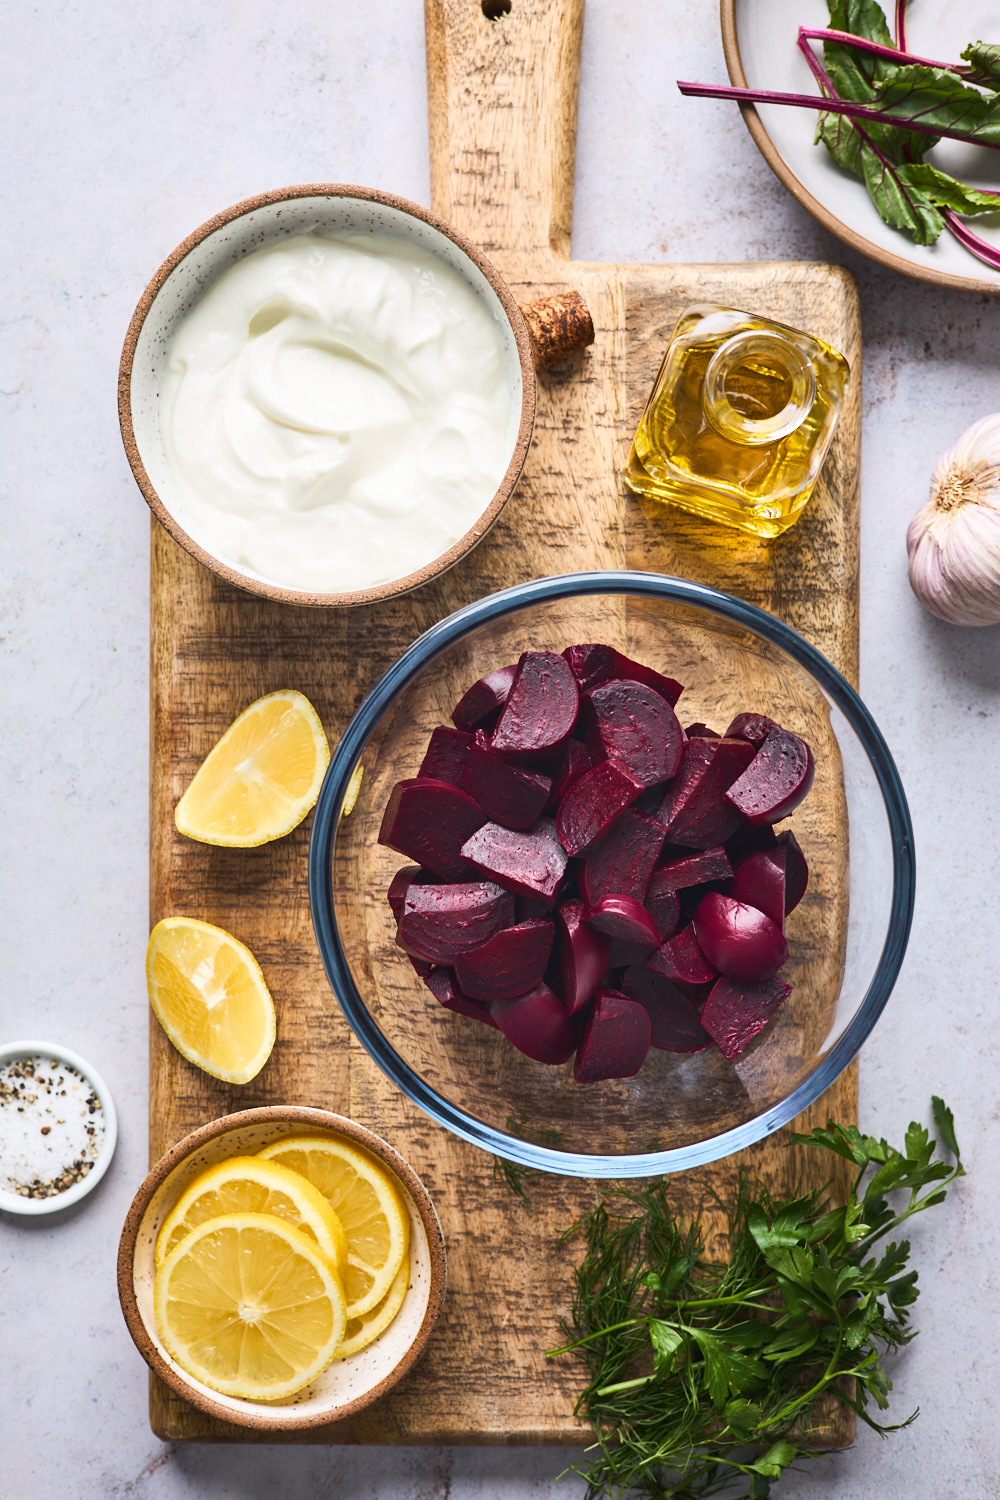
point(337, 412)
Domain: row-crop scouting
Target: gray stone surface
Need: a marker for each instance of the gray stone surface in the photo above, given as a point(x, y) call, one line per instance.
point(125, 126)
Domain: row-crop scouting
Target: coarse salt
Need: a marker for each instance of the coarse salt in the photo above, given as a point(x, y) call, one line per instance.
point(51, 1127)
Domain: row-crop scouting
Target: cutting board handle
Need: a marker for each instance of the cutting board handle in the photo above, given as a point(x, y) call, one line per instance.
point(502, 99)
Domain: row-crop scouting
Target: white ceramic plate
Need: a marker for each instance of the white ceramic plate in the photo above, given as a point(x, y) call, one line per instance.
point(760, 36)
point(13, 1203)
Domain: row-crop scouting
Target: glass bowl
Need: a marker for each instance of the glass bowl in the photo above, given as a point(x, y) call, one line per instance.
point(847, 937)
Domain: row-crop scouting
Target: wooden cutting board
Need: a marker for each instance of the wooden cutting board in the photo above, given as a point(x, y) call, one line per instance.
point(502, 99)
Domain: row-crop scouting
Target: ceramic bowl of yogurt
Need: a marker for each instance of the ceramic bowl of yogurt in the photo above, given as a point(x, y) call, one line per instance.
point(326, 395)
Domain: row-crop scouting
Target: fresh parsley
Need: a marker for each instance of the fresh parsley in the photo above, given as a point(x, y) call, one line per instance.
point(703, 1375)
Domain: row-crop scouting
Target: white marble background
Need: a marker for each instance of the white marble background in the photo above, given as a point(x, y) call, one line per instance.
point(124, 126)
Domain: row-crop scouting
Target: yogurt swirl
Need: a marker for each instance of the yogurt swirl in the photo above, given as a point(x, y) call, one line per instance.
point(337, 411)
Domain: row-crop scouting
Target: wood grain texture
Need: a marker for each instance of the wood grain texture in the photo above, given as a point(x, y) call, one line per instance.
point(502, 101)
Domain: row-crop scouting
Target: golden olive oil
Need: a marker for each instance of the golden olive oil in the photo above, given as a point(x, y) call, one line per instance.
point(739, 420)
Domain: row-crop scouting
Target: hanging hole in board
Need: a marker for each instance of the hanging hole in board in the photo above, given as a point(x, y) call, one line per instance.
point(494, 9)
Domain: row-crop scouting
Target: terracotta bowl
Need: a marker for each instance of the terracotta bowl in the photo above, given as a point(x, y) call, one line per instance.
point(346, 1386)
point(228, 237)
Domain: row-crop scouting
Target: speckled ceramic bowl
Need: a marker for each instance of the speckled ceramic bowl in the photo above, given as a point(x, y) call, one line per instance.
point(346, 1386)
point(332, 208)
point(13, 1203)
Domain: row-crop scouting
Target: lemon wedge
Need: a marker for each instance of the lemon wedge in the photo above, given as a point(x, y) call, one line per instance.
point(360, 1332)
point(250, 1306)
point(262, 777)
point(247, 1185)
point(367, 1202)
point(353, 791)
point(208, 994)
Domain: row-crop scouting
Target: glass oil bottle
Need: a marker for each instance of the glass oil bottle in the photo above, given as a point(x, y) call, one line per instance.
point(739, 420)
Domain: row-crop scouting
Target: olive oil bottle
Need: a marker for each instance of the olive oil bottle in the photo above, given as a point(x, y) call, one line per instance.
point(739, 420)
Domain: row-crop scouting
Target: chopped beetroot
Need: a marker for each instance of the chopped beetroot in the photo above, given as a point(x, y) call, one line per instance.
point(663, 905)
point(572, 763)
point(752, 727)
point(540, 711)
point(421, 966)
point(529, 863)
point(624, 859)
point(581, 955)
point(442, 985)
point(694, 869)
point(693, 811)
point(738, 939)
point(624, 919)
point(775, 781)
point(734, 1013)
point(700, 732)
point(429, 821)
point(796, 871)
point(593, 803)
point(630, 723)
point(615, 1039)
point(674, 1023)
point(592, 665)
point(681, 959)
point(446, 755)
point(538, 1025)
point(760, 881)
point(748, 841)
point(482, 703)
point(400, 884)
point(507, 794)
point(441, 921)
point(509, 964)
point(623, 953)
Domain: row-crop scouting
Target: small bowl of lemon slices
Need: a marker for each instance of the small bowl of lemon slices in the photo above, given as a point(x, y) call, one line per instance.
point(281, 1268)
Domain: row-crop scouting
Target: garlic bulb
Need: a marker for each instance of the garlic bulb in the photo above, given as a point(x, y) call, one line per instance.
point(954, 540)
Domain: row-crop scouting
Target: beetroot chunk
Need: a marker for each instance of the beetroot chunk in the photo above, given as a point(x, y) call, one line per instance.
point(484, 699)
point(537, 1025)
point(507, 794)
point(442, 985)
point(626, 919)
point(529, 863)
point(700, 732)
point(693, 811)
point(760, 881)
point(752, 727)
point(581, 956)
point(615, 1039)
point(674, 1023)
point(663, 905)
point(509, 965)
point(738, 939)
point(681, 960)
point(624, 860)
point(429, 821)
point(694, 869)
point(441, 921)
point(734, 1013)
point(796, 871)
point(592, 665)
point(775, 781)
point(447, 753)
point(630, 723)
point(541, 709)
point(593, 803)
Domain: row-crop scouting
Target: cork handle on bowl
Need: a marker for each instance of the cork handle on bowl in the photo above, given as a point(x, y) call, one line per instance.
point(557, 326)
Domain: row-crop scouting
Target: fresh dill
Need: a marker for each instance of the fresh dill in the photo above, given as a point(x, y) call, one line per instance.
point(702, 1375)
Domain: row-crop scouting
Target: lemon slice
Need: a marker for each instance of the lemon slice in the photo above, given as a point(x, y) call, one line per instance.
point(360, 1332)
point(367, 1202)
point(262, 777)
point(208, 994)
point(249, 1306)
point(247, 1185)
point(353, 791)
